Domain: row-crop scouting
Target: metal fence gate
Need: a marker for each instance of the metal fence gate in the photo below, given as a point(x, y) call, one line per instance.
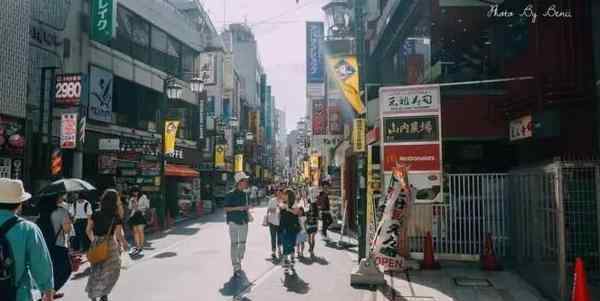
point(475, 205)
point(555, 218)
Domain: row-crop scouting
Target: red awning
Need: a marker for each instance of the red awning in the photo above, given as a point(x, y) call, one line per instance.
point(174, 170)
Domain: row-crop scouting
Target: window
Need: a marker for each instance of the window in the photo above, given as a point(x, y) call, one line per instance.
point(173, 56)
point(159, 49)
point(187, 61)
point(133, 35)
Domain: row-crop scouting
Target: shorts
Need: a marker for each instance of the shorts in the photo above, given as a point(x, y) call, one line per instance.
point(301, 237)
point(137, 219)
point(312, 229)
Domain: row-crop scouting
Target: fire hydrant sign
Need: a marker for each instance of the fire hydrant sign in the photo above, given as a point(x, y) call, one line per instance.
point(68, 131)
point(103, 20)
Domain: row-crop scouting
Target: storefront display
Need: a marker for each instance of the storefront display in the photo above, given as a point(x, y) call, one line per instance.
point(12, 147)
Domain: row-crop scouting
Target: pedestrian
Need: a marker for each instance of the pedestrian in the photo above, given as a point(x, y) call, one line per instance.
point(56, 225)
point(80, 211)
point(237, 208)
point(273, 223)
point(290, 227)
point(106, 225)
point(302, 236)
point(254, 195)
point(312, 225)
point(24, 256)
point(324, 207)
point(138, 205)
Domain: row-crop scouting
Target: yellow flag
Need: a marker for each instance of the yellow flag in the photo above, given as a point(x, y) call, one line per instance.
point(306, 170)
point(345, 72)
point(170, 135)
point(220, 155)
point(314, 161)
point(239, 163)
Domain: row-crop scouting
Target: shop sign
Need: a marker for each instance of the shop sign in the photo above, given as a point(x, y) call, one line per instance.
point(359, 132)
point(315, 72)
point(420, 157)
point(101, 94)
point(143, 147)
point(405, 129)
point(149, 169)
point(335, 120)
point(107, 164)
point(315, 90)
point(12, 138)
point(239, 163)
point(69, 89)
point(43, 36)
point(171, 127)
point(145, 181)
point(103, 18)
point(521, 128)
point(175, 154)
point(109, 144)
point(129, 172)
point(220, 155)
point(68, 131)
point(127, 164)
point(319, 116)
point(409, 99)
point(207, 67)
point(373, 136)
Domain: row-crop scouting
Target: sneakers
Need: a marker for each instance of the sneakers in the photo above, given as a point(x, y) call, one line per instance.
point(136, 251)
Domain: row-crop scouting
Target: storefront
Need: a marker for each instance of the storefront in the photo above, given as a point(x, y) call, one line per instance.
point(12, 147)
point(184, 187)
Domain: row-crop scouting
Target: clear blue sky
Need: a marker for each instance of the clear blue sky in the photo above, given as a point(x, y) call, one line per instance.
point(279, 27)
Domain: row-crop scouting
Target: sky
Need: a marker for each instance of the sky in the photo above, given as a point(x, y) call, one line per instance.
point(279, 29)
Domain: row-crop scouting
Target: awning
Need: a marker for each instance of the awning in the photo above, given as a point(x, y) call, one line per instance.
point(174, 170)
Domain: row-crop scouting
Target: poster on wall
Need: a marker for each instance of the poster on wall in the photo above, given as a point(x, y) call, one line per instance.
point(12, 136)
point(101, 94)
point(68, 131)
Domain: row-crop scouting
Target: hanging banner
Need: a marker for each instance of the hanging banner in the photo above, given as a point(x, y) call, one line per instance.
point(170, 135)
point(345, 71)
point(359, 132)
point(314, 161)
point(103, 20)
point(391, 246)
point(319, 116)
point(315, 34)
point(220, 155)
point(101, 95)
point(239, 163)
point(306, 170)
point(68, 131)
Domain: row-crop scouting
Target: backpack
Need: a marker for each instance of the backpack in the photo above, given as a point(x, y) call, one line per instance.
point(45, 225)
point(8, 283)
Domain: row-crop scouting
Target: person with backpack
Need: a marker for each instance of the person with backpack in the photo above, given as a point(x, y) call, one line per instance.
point(56, 225)
point(24, 256)
point(80, 210)
point(106, 226)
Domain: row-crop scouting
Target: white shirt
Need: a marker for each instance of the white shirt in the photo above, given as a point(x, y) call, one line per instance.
point(273, 213)
point(253, 192)
point(141, 204)
point(80, 209)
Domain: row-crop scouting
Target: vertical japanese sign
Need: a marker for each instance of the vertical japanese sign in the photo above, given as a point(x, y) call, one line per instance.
point(359, 132)
point(412, 135)
point(239, 163)
point(315, 72)
point(220, 155)
point(319, 116)
point(68, 131)
point(103, 19)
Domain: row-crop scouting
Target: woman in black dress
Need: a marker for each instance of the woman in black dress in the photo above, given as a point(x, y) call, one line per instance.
point(289, 226)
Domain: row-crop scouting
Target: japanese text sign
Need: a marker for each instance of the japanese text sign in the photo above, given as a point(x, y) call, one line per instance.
point(103, 20)
point(403, 129)
point(315, 72)
point(68, 131)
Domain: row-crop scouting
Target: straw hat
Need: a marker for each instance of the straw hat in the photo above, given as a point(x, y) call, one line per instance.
point(241, 176)
point(12, 191)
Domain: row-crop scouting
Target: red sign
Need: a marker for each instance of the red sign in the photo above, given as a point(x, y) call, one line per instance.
point(319, 118)
point(424, 157)
point(373, 135)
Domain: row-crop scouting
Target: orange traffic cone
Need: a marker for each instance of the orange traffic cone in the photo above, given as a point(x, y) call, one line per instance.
point(489, 262)
point(580, 289)
point(429, 262)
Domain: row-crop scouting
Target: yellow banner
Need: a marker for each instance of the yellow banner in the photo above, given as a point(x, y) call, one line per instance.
point(314, 161)
point(239, 163)
point(306, 170)
point(170, 135)
point(359, 132)
point(345, 72)
point(220, 155)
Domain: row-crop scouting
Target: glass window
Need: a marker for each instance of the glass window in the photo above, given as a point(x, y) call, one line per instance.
point(159, 49)
point(174, 56)
point(187, 61)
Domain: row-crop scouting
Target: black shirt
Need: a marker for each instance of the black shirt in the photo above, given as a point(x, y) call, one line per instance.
point(236, 198)
point(289, 221)
point(102, 222)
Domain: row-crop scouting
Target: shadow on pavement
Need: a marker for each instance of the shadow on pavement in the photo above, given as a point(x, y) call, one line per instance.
point(295, 284)
point(165, 255)
point(236, 286)
point(83, 274)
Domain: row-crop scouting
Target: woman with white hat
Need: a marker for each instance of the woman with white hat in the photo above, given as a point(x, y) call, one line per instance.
point(30, 260)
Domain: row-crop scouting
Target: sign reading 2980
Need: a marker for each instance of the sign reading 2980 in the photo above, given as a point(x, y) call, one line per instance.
point(68, 89)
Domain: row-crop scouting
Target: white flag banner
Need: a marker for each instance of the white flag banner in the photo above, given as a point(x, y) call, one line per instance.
point(390, 246)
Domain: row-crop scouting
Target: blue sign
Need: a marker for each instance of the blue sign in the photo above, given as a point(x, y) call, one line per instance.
point(315, 72)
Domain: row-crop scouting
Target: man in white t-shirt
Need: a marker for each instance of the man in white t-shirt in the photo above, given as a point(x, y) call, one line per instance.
point(80, 211)
point(273, 223)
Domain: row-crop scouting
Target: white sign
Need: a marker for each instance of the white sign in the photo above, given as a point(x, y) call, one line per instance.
point(68, 89)
point(207, 68)
point(409, 99)
point(315, 90)
point(101, 95)
point(521, 128)
point(68, 131)
point(109, 144)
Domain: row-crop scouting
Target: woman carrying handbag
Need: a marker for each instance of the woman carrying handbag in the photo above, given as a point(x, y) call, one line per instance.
point(105, 231)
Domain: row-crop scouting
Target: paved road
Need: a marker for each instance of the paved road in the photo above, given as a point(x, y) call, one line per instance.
point(191, 262)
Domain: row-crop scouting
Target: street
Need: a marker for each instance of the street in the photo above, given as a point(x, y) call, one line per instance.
point(191, 262)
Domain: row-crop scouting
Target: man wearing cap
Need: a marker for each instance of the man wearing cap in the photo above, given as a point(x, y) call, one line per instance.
point(29, 251)
point(236, 207)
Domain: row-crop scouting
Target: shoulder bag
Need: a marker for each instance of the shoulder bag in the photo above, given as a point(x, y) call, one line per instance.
point(98, 253)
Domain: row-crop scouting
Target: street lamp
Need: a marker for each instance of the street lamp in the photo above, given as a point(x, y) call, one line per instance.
point(338, 17)
point(174, 90)
point(197, 85)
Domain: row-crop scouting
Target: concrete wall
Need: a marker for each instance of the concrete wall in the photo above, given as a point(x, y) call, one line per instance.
point(14, 56)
